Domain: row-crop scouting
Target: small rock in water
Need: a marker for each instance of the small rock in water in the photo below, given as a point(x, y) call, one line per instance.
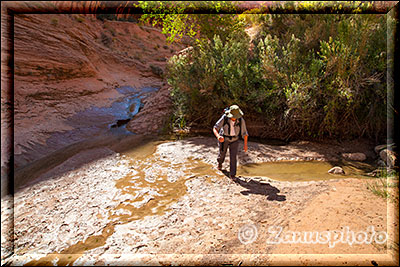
point(336, 170)
point(374, 173)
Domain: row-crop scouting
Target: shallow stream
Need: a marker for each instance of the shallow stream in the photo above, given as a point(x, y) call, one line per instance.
point(296, 171)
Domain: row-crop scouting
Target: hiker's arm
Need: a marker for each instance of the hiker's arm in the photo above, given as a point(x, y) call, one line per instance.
point(245, 143)
point(217, 127)
point(216, 132)
point(219, 137)
point(245, 134)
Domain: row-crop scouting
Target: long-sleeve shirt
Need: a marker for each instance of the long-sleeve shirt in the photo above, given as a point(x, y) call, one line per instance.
point(224, 129)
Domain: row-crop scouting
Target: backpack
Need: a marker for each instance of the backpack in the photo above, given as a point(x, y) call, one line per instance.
point(239, 121)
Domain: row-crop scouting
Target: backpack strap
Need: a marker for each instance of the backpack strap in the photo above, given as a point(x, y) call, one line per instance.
point(227, 122)
point(240, 127)
point(238, 121)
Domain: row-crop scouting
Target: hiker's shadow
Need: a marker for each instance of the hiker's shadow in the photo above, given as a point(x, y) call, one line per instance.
point(255, 187)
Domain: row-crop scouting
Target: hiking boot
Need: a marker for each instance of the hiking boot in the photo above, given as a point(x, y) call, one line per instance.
point(220, 167)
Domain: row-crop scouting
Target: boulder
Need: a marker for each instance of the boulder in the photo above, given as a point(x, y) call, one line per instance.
point(379, 148)
point(336, 170)
point(354, 156)
point(389, 157)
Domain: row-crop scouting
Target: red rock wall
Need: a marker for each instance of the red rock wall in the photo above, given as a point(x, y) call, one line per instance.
point(64, 63)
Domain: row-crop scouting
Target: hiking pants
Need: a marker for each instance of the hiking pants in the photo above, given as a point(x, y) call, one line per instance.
point(233, 150)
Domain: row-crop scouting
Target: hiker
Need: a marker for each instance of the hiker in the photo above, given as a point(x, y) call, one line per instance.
point(228, 130)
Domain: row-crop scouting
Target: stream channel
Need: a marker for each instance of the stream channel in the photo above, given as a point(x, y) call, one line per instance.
point(153, 183)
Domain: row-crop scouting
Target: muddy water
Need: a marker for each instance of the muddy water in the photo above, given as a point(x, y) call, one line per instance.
point(151, 189)
point(304, 170)
point(156, 184)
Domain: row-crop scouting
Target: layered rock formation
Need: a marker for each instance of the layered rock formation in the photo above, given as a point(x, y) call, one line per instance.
point(66, 63)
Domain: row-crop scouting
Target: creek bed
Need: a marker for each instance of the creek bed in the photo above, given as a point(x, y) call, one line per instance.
point(140, 195)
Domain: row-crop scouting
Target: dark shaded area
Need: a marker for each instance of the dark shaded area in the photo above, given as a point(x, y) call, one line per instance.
point(117, 143)
point(120, 123)
point(7, 103)
point(257, 188)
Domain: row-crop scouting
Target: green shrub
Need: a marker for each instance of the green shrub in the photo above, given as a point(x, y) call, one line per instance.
point(321, 76)
point(176, 23)
point(332, 70)
point(215, 75)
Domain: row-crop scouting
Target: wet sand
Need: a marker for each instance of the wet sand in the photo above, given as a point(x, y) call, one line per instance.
point(164, 202)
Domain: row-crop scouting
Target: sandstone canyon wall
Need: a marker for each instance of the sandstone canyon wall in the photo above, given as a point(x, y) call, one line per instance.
point(67, 63)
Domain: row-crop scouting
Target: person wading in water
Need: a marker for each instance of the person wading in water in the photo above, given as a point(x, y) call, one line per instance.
point(228, 130)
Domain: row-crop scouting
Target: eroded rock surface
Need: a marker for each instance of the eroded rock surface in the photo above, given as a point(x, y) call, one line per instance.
point(68, 63)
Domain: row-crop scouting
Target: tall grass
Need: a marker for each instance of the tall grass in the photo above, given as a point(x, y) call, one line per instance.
point(385, 184)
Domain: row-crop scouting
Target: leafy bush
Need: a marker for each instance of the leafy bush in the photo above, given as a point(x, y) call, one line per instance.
point(176, 23)
point(332, 70)
point(215, 75)
point(306, 75)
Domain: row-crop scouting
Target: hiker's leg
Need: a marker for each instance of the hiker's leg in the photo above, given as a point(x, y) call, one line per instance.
point(223, 147)
point(233, 150)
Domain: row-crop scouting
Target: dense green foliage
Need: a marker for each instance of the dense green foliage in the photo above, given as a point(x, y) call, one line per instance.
point(304, 75)
point(171, 16)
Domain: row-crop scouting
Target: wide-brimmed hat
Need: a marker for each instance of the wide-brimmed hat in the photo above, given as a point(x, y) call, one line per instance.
point(234, 112)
